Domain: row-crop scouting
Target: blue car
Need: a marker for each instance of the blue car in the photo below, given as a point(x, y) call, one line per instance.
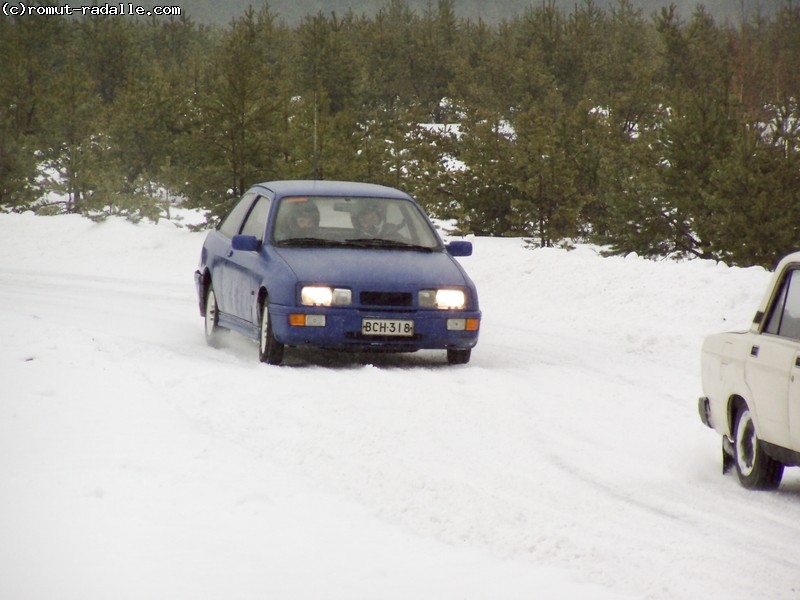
point(336, 265)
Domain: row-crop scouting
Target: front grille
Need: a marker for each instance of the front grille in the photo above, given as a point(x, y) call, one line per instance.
point(385, 299)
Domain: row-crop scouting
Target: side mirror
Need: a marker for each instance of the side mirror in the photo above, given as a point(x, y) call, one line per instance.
point(245, 243)
point(459, 248)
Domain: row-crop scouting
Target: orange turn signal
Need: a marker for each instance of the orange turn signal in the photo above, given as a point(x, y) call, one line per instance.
point(297, 320)
point(304, 320)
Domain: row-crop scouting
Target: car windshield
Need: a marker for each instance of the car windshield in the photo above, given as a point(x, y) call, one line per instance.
point(316, 221)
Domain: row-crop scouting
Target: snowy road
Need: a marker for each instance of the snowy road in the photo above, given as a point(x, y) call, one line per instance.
point(567, 459)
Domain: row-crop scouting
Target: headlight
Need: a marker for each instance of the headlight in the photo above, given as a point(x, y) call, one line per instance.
point(444, 299)
point(317, 295)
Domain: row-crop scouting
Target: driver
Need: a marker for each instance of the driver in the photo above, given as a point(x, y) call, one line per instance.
point(303, 219)
point(370, 221)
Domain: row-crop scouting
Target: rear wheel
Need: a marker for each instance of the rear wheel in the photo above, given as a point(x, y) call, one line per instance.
point(458, 356)
point(213, 330)
point(756, 470)
point(270, 350)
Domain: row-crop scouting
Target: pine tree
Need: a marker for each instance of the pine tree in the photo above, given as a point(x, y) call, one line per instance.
point(29, 47)
point(670, 209)
point(73, 133)
point(483, 190)
point(236, 114)
point(785, 54)
point(756, 192)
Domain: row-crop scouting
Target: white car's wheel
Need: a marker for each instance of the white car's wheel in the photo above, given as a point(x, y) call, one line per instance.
point(270, 350)
point(213, 330)
point(756, 470)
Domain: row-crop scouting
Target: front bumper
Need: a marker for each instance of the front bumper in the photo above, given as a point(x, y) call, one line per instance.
point(342, 329)
point(704, 408)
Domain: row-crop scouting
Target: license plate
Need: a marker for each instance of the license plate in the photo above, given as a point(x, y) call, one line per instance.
point(389, 327)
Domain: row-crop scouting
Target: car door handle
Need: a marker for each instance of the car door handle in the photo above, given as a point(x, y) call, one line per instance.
point(754, 351)
point(797, 362)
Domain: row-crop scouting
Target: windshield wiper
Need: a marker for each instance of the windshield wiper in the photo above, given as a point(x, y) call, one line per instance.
point(381, 243)
point(308, 242)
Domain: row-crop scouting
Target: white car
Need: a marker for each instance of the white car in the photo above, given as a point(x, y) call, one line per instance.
point(751, 385)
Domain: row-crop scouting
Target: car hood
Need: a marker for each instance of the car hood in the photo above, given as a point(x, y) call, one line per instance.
point(349, 266)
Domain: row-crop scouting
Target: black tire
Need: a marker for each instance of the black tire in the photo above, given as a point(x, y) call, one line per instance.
point(213, 331)
point(458, 356)
point(756, 469)
point(270, 350)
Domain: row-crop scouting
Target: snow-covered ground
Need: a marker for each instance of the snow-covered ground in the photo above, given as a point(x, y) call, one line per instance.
point(567, 460)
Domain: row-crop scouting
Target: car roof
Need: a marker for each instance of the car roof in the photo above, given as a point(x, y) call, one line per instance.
point(321, 187)
point(793, 257)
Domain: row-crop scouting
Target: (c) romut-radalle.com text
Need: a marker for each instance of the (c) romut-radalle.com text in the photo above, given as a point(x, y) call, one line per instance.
point(21, 9)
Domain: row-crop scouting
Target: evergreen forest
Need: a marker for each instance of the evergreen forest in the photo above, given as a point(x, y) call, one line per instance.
point(664, 134)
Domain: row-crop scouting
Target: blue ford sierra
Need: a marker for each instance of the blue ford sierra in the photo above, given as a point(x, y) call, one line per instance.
point(337, 265)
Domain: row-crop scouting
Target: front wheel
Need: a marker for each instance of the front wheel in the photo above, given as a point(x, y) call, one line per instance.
point(756, 470)
point(213, 330)
point(270, 350)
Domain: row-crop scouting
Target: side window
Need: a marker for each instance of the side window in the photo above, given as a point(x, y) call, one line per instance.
point(784, 317)
point(774, 322)
point(257, 219)
point(232, 223)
